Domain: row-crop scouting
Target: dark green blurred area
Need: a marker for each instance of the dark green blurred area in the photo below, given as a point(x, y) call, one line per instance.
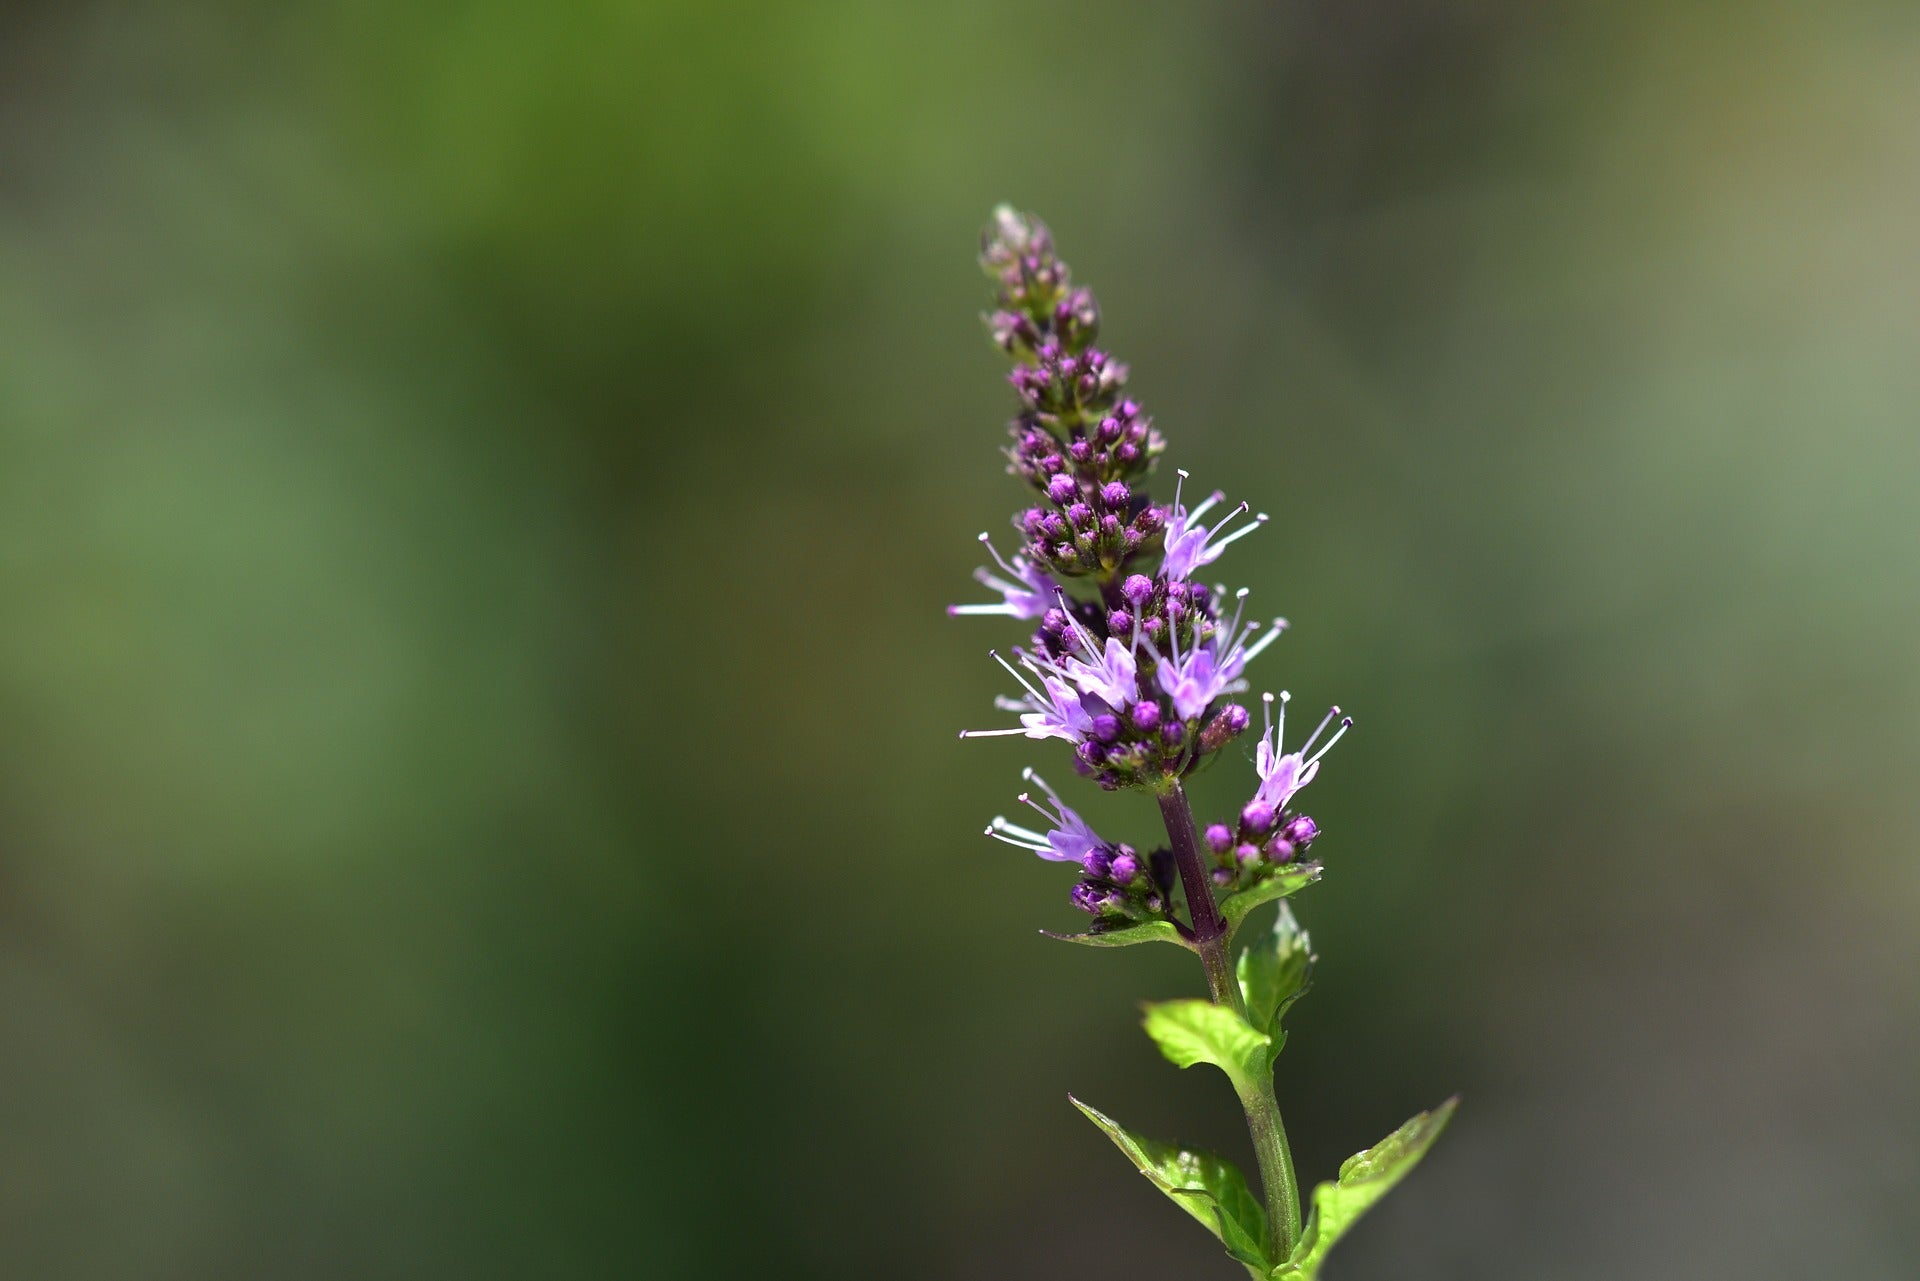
point(478, 486)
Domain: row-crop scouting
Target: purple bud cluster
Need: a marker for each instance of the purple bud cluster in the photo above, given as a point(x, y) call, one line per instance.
point(1259, 840)
point(1077, 441)
point(1119, 887)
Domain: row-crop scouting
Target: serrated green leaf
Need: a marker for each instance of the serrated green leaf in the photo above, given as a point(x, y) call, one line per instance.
point(1195, 1031)
point(1273, 973)
point(1127, 936)
point(1287, 880)
point(1364, 1178)
point(1204, 1185)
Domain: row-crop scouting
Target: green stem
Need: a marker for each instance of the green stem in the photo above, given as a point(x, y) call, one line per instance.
point(1210, 939)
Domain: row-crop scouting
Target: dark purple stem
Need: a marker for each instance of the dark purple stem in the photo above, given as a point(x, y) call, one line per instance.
point(1208, 924)
point(1210, 938)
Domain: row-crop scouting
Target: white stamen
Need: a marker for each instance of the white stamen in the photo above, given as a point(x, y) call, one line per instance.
point(1084, 636)
point(1215, 497)
point(1015, 673)
point(987, 541)
point(1000, 826)
point(1036, 807)
point(1012, 836)
point(1253, 652)
point(1346, 724)
point(1237, 534)
point(1320, 729)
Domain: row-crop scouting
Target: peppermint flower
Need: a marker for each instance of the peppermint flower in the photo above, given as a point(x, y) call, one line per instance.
point(1191, 544)
point(1069, 841)
point(1027, 596)
point(1130, 667)
point(1282, 776)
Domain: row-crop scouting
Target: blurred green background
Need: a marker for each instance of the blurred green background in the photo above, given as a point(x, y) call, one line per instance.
point(478, 486)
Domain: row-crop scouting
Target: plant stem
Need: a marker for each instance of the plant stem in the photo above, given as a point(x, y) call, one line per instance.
point(1210, 938)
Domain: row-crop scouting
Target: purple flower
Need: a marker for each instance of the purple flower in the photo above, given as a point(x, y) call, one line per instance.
point(1190, 544)
point(1054, 709)
point(1029, 595)
point(1070, 841)
point(1283, 775)
point(1213, 668)
point(1192, 683)
point(1108, 672)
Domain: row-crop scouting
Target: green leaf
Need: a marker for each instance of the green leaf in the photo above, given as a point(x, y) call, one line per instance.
point(1273, 974)
point(1127, 936)
point(1204, 1185)
point(1293, 877)
point(1195, 1031)
point(1364, 1179)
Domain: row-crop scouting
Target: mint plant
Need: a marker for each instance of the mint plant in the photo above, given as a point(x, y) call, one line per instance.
point(1135, 667)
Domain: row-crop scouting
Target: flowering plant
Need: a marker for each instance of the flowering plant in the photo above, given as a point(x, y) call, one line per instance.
point(1135, 668)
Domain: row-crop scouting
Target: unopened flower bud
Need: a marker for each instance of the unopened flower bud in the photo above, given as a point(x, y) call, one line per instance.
point(1093, 899)
point(1126, 866)
point(1061, 489)
point(1301, 829)
point(1146, 715)
point(1219, 838)
point(1257, 817)
point(1138, 589)
point(1229, 722)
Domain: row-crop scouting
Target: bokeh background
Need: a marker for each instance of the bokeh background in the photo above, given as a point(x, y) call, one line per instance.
point(478, 486)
